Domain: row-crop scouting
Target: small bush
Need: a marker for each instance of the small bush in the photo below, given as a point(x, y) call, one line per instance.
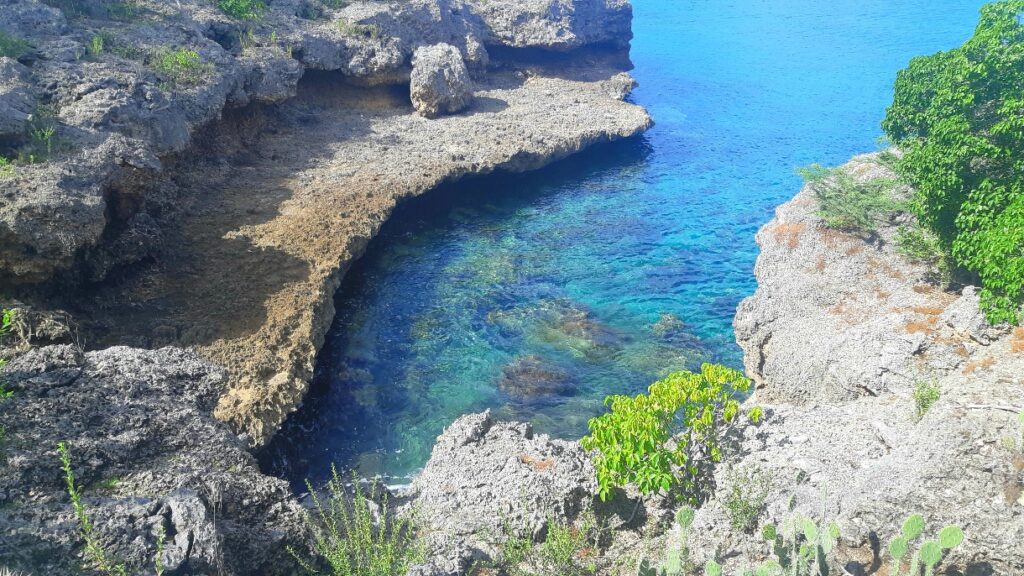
point(925, 395)
point(243, 9)
point(368, 31)
point(564, 549)
point(745, 498)
point(656, 440)
point(352, 539)
point(13, 47)
point(180, 67)
point(848, 204)
point(6, 168)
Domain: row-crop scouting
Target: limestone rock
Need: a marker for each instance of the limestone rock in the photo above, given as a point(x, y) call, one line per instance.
point(148, 453)
point(17, 100)
point(484, 475)
point(440, 82)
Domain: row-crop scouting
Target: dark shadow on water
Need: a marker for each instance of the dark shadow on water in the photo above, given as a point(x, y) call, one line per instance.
point(298, 451)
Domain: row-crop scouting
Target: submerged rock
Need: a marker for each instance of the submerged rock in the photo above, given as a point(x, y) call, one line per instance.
point(532, 377)
point(148, 453)
point(440, 82)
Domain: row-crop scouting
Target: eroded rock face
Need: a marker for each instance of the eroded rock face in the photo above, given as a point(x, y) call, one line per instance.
point(148, 454)
point(120, 102)
point(838, 336)
point(440, 82)
point(485, 477)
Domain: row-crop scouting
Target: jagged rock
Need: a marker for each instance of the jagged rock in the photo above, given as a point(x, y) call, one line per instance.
point(620, 85)
point(17, 100)
point(485, 477)
point(557, 24)
point(838, 335)
point(440, 82)
point(148, 453)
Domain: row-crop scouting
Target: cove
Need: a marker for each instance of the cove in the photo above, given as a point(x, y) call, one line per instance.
point(537, 295)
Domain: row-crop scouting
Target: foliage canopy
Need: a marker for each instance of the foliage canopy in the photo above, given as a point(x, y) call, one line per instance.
point(958, 116)
point(646, 438)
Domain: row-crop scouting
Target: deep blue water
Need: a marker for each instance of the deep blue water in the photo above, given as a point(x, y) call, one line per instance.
point(602, 273)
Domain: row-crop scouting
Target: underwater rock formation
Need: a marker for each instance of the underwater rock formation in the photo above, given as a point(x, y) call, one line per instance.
point(531, 377)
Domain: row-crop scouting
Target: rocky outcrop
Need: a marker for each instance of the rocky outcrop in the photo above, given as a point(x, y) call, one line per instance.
point(148, 455)
point(440, 82)
point(119, 106)
point(839, 335)
point(487, 480)
point(240, 205)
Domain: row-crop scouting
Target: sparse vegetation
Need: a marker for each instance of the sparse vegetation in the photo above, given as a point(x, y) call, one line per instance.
point(956, 116)
point(125, 11)
point(745, 497)
point(243, 9)
point(925, 395)
point(6, 168)
point(180, 67)
point(13, 47)
point(351, 538)
point(929, 553)
point(656, 440)
point(801, 547)
point(677, 561)
point(6, 321)
point(846, 203)
point(565, 549)
point(95, 554)
point(369, 31)
point(918, 244)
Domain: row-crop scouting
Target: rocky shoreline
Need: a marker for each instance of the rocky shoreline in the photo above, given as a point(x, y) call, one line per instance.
point(220, 214)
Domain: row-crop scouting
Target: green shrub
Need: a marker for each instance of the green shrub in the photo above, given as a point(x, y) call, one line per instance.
point(958, 116)
point(633, 439)
point(6, 168)
point(848, 204)
point(745, 497)
point(919, 244)
point(6, 322)
point(243, 9)
point(929, 553)
point(13, 47)
point(925, 395)
point(348, 540)
point(368, 31)
point(564, 550)
point(180, 67)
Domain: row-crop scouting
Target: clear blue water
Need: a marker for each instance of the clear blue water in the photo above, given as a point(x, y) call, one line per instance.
point(602, 273)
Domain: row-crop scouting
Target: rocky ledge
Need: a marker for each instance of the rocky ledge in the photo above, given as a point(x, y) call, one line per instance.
point(214, 200)
point(148, 455)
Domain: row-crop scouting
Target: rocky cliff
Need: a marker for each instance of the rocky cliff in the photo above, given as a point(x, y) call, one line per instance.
point(208, 179)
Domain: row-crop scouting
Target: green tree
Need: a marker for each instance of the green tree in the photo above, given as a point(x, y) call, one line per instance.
point(959, 118)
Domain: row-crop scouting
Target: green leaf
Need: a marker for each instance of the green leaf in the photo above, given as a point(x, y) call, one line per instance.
point(810, 529)
point(950, 537)
point(913, 527)
point(931, 553)
point(898, 548)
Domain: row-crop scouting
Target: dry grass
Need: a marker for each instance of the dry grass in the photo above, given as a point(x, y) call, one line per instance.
point(926, 326)
point(1017, 343)
point(923, 289)
point(821, 264)
point(882, 295)
point(855, 250)
point(982, 364)
point(929, 310)
point(789, 234)
point(537, 463)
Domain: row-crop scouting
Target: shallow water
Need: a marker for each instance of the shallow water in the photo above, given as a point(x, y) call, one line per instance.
point(537, 295)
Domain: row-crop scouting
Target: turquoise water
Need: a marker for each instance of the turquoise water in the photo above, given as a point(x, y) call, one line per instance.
point(538, 295)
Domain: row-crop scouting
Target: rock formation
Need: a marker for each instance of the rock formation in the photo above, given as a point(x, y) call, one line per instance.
point(439, 83)
point(148, 454)
point(210, 179)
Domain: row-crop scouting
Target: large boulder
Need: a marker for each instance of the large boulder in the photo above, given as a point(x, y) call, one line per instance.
point(440, 82)
point(148, 455)
point(485, 478)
